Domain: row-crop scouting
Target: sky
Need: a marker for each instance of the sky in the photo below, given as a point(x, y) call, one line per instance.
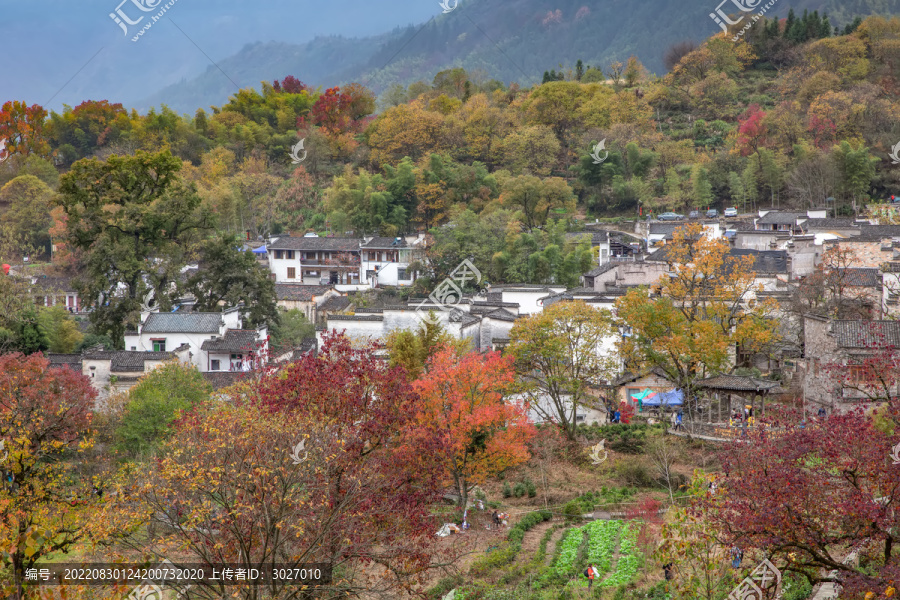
point(60, 52)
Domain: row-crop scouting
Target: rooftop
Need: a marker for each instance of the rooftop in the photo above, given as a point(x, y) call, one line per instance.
point(776, 217)
point(738, 383)
point(386, 243)
point(333, 244)
point(866, 334)
point(299, 292)
point(194, 322)
point(861, 277)
point(127, 360)
point(234, 340)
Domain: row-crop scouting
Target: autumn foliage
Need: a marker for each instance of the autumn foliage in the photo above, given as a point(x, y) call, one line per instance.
point(478, 430)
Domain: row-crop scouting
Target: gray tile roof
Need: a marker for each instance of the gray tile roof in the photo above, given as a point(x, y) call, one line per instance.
point(501, 315)
point(234, 340)
point(315, 243)
point(54, 283)
point(222, 379)
point(861, 277)
point(335, 303)
point(866, 334)
point(839, 223)
point(193, 322)
point(596, 237)
point(874, 233)
point(600, 270)
point(355, 318)
point(73, 361)
point(385, 243)
point(298, 292)
point(127, 360)
point(776, 217)
point(664, 228)
point(765, 261)
point(738, 383)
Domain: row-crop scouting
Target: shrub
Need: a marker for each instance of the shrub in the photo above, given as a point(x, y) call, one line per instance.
point(796, 587)
point(520, 490)
point(532, 489)
point(443, 587)
point(507, 491)
point(572, 511)
point(635, 473)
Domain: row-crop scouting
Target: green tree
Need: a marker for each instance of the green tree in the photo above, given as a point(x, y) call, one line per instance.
point(60, 329)
point(562, 354)
point(228, 276)
point(134, 220)
point(412, 349)
point(291, 329)
point(535, 197)
point(857, 169)
point(155, 402)
point(700, 186)
point(28, 210)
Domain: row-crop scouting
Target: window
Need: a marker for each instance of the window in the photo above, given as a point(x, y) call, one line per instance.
point(290, 254)
point(279, 254)
point(216, 365)
point(133, 348)
point(401, 274)
point(292, 273)
point(159, 345)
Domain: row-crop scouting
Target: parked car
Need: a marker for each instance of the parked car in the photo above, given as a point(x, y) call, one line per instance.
point(731, 212)
point(712, 213)
point(670, 216)
point(694, 214)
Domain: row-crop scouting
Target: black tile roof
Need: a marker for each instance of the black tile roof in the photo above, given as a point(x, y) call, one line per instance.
point(355, 318)
point(860, 277)
point(501, 315)
point(738, 383)
point(234, 340)
point(55, 283)
point(127, 360)
point(839, 223)
point(866, 334)
point(73, 361)
point(664, 228)
point(315, 243)
point(766, 261)
point(335, 303)
point(222, 379)
point(193, 322)
point(776, 217)
point(298, 292)
point(874, 233)
point(385, 243)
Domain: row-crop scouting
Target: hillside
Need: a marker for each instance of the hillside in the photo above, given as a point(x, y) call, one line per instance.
point(509, 41)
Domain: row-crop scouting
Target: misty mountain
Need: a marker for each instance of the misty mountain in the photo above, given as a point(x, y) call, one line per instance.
point(509, 40)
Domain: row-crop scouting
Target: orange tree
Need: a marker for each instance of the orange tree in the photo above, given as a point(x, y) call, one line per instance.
point(305, 465)
point(466, 409)
point(701, 312)
point(45, 415)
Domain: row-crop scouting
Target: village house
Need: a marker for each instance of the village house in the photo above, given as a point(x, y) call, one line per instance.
point(217, 341)
point(830, 343)
point(305, 298)
point(387, 261)
point(314, 260)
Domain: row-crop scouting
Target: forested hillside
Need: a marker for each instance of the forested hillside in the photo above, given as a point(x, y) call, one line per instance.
point(788, 116)
point(508, 41)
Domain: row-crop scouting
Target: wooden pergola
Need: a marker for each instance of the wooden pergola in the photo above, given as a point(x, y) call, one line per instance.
point(745, 388)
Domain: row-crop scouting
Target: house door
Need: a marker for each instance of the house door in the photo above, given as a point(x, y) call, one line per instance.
point(334, 276)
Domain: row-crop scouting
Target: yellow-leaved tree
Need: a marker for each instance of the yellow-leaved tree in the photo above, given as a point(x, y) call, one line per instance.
point(693, 321)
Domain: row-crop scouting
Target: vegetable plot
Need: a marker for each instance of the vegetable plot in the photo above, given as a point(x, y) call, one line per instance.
point(565, 562)
point(629, 561)
point(602, 539)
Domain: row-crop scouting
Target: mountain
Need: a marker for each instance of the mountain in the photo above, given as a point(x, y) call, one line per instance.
point(509, 40)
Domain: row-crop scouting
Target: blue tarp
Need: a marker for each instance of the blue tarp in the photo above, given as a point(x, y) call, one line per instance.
point(670, 398)
point(260, 250)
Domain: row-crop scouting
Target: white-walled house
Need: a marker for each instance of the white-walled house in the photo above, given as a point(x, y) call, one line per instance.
point(385, 261)
point(217, 341)
point(314, 260)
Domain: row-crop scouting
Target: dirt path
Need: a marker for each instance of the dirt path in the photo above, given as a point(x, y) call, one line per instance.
point(533, 539)
point(551, 545)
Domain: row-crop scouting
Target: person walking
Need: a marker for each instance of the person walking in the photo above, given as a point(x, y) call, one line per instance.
point(618, 417)
point(737, 555)
point(678, 424)
point(590, 573)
